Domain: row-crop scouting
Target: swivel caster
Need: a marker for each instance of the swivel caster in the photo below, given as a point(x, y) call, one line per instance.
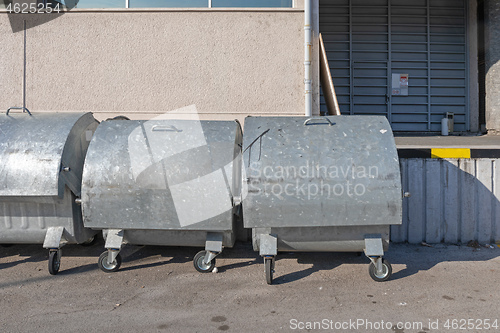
point(269, 269)
point(200, 264)
point(109, 267)
point(382, 275)
point(54, 261)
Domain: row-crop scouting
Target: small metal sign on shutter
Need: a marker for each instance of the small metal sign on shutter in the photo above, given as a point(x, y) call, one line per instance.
point(400, 84)
point(367, 41)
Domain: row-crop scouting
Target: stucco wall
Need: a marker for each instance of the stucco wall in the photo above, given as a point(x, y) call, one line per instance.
point(492, 58)
point(228, 63)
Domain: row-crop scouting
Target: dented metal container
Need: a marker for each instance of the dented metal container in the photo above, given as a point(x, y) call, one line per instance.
point(321, 184)
point(41, 163)
point(163, 182)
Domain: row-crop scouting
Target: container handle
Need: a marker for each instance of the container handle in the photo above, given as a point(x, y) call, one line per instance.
point(165, 128)
point(18, 108)
point(318, 118)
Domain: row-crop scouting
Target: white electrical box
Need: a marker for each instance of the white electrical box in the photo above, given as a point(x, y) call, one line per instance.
point(400, 84)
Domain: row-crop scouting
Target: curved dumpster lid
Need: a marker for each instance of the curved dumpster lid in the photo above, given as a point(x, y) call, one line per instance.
point(320, 171)
point(31, 152)
point(162, 174)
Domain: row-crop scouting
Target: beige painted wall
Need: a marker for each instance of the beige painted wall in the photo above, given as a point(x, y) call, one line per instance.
point(228, 63)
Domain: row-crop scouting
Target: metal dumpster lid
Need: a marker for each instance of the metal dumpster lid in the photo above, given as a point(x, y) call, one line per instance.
point(320, 171)
point(31, 150)
point(162, 174)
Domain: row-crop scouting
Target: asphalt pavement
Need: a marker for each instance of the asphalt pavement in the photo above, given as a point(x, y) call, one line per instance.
point(443, 288)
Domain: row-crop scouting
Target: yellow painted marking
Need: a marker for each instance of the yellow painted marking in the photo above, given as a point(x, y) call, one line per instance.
point(450, 153)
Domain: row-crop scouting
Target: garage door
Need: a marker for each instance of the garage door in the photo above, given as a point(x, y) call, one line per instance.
point(406, 60)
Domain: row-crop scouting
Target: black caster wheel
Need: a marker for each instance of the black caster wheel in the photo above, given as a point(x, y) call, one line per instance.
point(200, 265)
point(269, 268)
point(54, 262)
point(109, 268)
point(386, 271)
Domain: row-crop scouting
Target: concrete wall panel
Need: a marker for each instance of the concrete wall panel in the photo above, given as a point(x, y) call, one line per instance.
point(451, 202)
point(468, 200)
point(484, 200)
point(416, 204)
point(399, 233)
point(434, 201)
point(496, 203)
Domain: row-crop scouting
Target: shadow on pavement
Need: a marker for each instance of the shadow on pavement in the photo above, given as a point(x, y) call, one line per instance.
point(415, 258)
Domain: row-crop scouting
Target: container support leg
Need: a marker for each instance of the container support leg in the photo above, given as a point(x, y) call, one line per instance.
point(374, 250)
point(114, 242)
point(374, 246)
point(268, 245)
point(213, 246)
point(268, 249)
point(54, 238)
point(377, 261)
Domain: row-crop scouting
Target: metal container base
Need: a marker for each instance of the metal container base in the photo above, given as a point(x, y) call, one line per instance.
point(373, 240)
point(204, 261)
point(28, 222)
point(192, 238)
point(322, 239)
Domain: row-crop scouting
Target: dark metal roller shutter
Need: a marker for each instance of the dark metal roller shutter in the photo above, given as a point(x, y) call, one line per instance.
point(369, 40)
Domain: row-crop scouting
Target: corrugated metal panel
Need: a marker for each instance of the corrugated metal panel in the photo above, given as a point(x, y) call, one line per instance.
point(481, 62)
point(369, 40)
point(452, 201)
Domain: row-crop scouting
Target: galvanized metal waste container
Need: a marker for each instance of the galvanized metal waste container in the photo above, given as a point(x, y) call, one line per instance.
point(321, 184)
point(41, 162)
point(163, 182)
